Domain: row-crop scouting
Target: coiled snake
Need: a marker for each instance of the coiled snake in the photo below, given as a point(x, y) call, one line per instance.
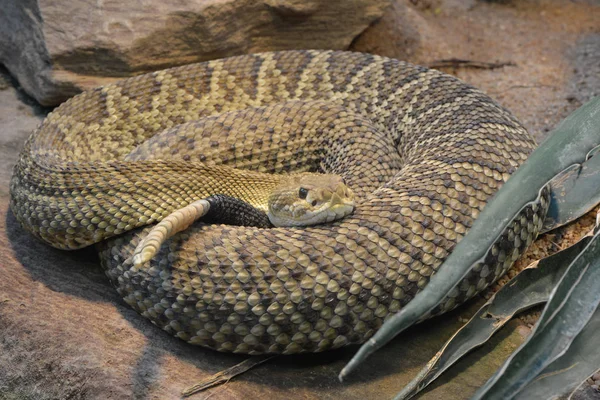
point(421, 150)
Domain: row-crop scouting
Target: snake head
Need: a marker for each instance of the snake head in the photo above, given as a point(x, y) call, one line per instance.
point(310, 199)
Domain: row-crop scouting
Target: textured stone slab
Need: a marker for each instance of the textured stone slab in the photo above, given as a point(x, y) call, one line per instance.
point(55, 48)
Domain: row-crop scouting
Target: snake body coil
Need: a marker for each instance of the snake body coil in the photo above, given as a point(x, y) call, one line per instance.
point(422, 151)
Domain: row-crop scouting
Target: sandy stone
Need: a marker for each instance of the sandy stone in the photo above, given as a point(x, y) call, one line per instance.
point(56, 48)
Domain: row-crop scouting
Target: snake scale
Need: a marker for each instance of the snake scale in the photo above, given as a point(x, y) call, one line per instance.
point(421, 150)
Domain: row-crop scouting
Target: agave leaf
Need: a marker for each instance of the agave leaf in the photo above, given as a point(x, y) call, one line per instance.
point(574, 192)
point(571, 306)
point(568, 145)
point(530, 287)
point(564, 375)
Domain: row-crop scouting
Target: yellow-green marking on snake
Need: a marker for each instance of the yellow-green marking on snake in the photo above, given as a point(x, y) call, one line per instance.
point(421, 151)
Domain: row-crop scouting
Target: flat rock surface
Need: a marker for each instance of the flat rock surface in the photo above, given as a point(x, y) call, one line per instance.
point(65, 333)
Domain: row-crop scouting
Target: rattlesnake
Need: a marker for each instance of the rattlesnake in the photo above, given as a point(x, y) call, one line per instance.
point(421, 150)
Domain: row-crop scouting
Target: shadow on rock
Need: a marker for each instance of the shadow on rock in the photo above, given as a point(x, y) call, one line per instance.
point(76, 273)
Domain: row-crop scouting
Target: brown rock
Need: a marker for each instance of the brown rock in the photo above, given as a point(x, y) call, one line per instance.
point(56, 48)
point(400, 33)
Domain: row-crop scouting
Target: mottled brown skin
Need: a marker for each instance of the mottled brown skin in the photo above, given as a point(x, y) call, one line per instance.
point(421, 150)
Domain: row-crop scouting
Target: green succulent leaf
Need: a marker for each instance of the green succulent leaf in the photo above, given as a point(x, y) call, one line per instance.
point(570, 308)
point(564, 375)
point(574, 192)
point(531, 287)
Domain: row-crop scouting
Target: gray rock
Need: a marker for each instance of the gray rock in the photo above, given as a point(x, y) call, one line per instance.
point(56, 48)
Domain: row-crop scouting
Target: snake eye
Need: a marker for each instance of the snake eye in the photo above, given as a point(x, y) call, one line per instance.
point(302, 193)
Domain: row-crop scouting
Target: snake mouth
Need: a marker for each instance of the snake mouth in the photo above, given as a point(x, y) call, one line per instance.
point(337, 207)
point(339, 211)
point(334, 209)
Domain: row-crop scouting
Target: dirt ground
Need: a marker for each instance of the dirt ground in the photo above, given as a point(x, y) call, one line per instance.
point(553, 46)
point(65, 334)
